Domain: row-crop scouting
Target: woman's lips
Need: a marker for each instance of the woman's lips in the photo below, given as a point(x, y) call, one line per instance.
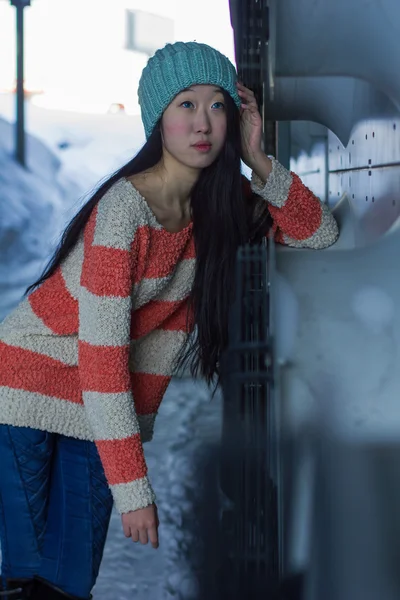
point(202, 147)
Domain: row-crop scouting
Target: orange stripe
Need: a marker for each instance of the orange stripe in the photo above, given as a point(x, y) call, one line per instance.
point(181, 320)
point(190, 250)
point(301, 215)
point(159, 314)
point(103, 368)
point(107, 271)
point(30, 371)
point(160, 252)
point(55, 306)
point(148, 391)
point(123, 460)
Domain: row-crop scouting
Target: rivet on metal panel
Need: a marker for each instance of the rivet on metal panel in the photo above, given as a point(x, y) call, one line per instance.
point(373, 134)
point(352, 141)
point(394, 126)
point(366, 198)
point(369, 161)
point(370, 173)
point(353, 195)
point(366, 136)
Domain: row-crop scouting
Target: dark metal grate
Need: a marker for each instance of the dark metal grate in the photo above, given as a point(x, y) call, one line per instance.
point(250, 526)
point(251, 24)
point(251, 29)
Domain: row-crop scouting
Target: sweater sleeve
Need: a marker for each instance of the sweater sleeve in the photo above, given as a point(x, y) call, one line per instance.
point(300, 219)
point(105, 307)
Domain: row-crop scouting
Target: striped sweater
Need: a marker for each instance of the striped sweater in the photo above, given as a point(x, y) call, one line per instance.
point(90, 353)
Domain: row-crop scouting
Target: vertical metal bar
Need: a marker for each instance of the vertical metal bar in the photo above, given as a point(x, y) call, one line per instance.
point(283, 143)
point(20, 96)
point(247, 416)
point(258, 460)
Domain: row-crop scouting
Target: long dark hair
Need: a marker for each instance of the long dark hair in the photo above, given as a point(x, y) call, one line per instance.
point(223, 214)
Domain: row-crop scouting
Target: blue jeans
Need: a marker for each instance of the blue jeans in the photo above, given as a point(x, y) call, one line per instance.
point(55, 508)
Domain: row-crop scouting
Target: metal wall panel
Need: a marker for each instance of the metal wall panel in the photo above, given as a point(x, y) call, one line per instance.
point(373, 143)
point(336, 63)
point(366, 172)
point(359, 39)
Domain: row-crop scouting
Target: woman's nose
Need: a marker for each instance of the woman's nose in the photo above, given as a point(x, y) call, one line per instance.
point(202, 124)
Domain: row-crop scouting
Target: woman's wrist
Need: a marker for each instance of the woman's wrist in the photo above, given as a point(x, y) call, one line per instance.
point(262, 166)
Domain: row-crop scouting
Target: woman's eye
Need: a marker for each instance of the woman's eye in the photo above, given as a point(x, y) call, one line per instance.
point(184, 104)
point(218, 105)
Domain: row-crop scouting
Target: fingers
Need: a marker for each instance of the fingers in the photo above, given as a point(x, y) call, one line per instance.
point(126, 529)
point(153, 536)
point(144, 535)
point(248, 97)
point(135, 535)
point(142, 525)
point(243, 88)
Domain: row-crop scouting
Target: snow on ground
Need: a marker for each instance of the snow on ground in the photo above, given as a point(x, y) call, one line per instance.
point(68, 154)
point(187, 425)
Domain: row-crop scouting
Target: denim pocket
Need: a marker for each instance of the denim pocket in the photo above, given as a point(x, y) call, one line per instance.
point(31, 441)
point(33, 453)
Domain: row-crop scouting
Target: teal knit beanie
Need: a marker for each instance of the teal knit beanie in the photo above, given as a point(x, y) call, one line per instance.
point(176, 67)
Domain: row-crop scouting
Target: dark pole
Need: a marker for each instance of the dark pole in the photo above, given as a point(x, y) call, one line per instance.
point(20, 96)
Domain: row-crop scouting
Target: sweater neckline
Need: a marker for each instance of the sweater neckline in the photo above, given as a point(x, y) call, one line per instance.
point(155, 222)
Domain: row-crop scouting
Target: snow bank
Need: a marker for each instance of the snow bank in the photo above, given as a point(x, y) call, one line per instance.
point(34, 206)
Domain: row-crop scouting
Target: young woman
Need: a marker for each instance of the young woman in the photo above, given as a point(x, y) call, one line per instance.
point(86, 357)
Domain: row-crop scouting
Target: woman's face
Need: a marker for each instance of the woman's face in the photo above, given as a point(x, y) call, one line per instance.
point(194, 126)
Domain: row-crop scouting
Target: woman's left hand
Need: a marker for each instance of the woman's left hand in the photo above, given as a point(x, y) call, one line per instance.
point(250, 126)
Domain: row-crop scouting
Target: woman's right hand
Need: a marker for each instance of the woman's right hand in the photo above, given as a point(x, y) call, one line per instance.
point(142, 525)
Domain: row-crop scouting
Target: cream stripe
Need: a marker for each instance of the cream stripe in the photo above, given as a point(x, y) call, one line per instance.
point(108, 414)
point(326, 234)
point(276, 189)
point(118, 217)
point(71, 268)
point(147, 217)
point(23, 329)
point(146, 423)
point(149, 355)
point(104, 321)
point(22, 321)
point(147, 290)
point(133, 495)
point(173, 288)
point(31, 409)
point(61, 348)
